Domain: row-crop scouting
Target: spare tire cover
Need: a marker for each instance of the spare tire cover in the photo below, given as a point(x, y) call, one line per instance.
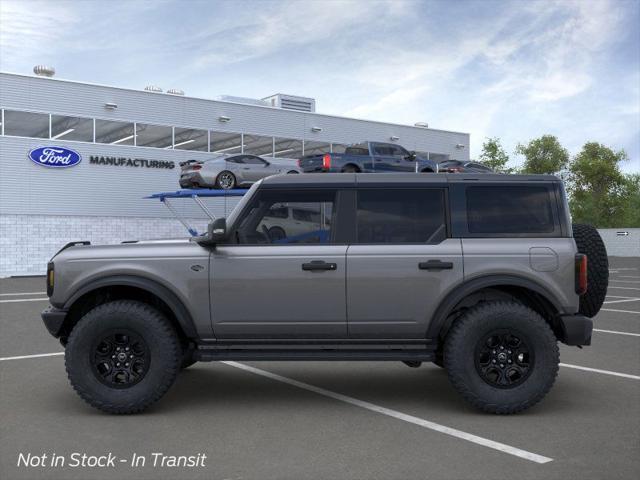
point(590, 243)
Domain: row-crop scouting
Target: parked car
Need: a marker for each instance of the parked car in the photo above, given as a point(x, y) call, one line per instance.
point(368, 157)
point(233, 171)
point(284, 223)
point(483, 276)
point(461, 166)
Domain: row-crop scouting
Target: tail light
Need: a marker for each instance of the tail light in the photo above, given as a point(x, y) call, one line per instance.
point(196, 167)
point(50, 279)
point(581, 274)
point(299, 162)
point(454, 169)
point(326, 161)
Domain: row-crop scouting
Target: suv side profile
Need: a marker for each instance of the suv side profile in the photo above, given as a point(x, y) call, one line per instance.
point(480, 274)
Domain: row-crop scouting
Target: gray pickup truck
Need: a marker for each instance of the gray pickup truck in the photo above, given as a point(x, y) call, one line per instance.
point(368, 157)
point(481, 274)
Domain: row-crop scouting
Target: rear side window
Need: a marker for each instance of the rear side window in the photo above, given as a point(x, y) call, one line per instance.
point(401, 216)
point(509, 209)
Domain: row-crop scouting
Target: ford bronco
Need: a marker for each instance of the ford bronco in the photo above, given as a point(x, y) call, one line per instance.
point(481, 274)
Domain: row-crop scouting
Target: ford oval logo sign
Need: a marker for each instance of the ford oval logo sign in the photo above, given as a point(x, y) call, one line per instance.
point(55, 157)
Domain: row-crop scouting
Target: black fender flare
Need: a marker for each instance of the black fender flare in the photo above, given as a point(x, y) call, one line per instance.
point(439, 320)
point(163, 293)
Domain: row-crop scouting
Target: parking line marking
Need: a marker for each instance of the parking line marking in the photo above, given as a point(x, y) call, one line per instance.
point(617, 332)
point(533, 457)
point(617, 296)
point(597, 370)
point(623, 288)
point(22, 357)
point(628, 276)
point(619, 311)
point(25, 300)
point(620, 301)
point(21, 293)
point(624, 281)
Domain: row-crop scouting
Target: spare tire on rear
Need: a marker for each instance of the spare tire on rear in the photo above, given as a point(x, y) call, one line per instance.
point(590, 243)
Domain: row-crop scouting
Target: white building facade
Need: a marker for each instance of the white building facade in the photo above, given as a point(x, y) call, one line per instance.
point(129, 145)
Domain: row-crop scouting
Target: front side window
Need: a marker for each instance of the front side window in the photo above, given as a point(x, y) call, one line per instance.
point(253, 160)
point(394, 216)
point(267, 219)
point(509, 209)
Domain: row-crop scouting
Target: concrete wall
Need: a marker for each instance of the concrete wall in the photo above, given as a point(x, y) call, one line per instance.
point(620, 245)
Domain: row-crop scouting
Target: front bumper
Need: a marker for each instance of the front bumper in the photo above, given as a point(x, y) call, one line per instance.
point(53, 319)
point(576, 329)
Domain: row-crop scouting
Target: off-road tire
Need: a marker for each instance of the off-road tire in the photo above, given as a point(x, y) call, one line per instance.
point(469, 331)
point(590, 243)
point(160, 338)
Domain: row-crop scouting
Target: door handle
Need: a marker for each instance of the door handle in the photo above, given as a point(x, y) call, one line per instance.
point(319, 265)
point(435, 265)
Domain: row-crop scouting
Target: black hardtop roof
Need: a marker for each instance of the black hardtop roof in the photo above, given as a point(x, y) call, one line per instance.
point(380, 179)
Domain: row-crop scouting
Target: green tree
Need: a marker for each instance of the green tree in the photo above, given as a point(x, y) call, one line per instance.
point(600, 193)
point(631, 208)
point(494, 156)
point(543, 155)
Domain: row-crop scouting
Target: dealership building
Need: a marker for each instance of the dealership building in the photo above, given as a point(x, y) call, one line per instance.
point(127, 144)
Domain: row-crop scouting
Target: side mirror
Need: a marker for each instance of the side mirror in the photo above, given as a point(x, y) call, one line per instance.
point(411, 157)
point(216, 233)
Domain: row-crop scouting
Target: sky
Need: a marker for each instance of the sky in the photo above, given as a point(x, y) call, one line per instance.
point(509, 69)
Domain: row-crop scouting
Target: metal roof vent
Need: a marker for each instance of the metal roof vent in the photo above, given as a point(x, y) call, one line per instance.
point(44, 71)
point(292, 102)
point(421, 124)
point(153, 88)
point(175, 91)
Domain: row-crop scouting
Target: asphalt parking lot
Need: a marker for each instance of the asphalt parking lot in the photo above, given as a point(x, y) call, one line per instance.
point(323, 420)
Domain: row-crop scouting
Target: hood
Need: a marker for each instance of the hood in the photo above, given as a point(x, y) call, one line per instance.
point(130, 250)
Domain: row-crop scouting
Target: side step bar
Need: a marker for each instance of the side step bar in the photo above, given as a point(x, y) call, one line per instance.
point(412, 355)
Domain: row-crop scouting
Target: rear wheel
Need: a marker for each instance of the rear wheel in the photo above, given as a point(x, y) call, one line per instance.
point(122, 356)
point(502, 357)
point(225, 180)
point(590, 243)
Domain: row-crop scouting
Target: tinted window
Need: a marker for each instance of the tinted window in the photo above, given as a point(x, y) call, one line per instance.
point(401, 216)
point(71, 128)
point(509, 209)
point(398, 151)
point(26, 124)
point(236, 159)
point(357, 151)
point(253, 160)
point(113, 132)
point(266, 221)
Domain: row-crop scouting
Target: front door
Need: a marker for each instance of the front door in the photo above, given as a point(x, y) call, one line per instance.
point(402, 263)
point(282, 277)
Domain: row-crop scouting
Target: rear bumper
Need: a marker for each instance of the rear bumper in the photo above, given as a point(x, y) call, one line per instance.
point(53, 319)
point(576, 329)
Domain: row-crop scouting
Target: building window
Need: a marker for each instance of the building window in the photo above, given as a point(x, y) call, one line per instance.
point(258, 145)
point(226, 143)
point(287, 148)
point(156, 136)
point(26, 124)
point(190, 139)
point(115, 133)
point(316, 148)
point(71, 128)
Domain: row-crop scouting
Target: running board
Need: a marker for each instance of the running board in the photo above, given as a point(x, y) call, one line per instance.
point(409, 355)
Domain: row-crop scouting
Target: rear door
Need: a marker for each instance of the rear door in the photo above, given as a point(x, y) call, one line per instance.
point(280, 279)
point(402, 262)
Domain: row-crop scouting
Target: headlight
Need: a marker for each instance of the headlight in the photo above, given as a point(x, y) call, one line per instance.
point(50, 279)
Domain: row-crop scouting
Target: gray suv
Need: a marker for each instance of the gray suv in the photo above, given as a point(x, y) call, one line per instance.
point(481, 274)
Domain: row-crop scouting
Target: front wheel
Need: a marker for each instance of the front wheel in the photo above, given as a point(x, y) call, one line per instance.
point(502, 357)
point(122, 356)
